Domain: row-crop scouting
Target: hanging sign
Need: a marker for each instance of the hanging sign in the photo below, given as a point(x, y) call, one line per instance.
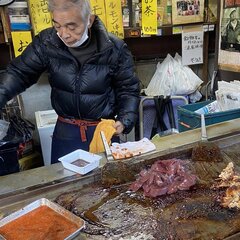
point(149, 17)
point(98, 8)
point(114, 19)
point(20, 41)
point(192, 45)
point(40, 16)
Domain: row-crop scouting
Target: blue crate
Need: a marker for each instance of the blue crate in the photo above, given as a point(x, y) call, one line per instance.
point(188, 119)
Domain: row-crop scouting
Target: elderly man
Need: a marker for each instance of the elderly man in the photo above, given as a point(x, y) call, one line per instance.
point(90, 72)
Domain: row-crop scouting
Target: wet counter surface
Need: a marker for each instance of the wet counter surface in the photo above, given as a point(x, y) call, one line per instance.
point(117, 213)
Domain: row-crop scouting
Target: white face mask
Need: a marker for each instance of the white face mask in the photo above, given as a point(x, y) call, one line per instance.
point(80, 41)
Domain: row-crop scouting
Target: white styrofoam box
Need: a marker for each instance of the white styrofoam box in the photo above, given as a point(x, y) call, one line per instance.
point(91, 159)
point(46, 121)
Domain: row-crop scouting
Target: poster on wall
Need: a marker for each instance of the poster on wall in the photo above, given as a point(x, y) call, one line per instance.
point(229, 36)
point(185, 11)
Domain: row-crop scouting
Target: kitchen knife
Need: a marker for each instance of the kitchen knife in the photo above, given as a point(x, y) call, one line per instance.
point(106, 147)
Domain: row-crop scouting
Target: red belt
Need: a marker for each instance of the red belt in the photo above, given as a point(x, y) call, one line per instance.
point(83, 124)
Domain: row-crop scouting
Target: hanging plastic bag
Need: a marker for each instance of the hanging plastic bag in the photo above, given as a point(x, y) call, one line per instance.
point(162, 79)
point(187, 81)
point(172, 78)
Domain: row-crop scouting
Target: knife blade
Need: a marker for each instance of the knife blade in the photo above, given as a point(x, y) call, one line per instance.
point(106, 147)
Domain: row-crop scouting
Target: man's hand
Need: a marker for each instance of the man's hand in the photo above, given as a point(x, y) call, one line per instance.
point(119, 127)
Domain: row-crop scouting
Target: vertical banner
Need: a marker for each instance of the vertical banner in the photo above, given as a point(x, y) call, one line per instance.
point(40, 16)
point(98, 8)
point(192, 45)
point(20, 41)
point(149, 16)
point(114, 19)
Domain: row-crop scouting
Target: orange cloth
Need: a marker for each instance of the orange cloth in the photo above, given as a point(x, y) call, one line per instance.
point(106, 125)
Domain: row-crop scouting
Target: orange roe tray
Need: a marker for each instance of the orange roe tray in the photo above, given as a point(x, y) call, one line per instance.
point(41, 220)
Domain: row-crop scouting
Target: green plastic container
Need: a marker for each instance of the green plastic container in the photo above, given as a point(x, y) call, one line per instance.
point(188, 119)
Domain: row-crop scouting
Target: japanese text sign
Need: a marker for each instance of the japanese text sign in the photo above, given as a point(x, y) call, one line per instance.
point(149, 16)
point(192, 47)
point(114, 19)
point(40, 16)
point(98, 8)
point(20, 41)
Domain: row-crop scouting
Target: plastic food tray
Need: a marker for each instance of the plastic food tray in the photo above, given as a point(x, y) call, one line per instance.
point(45, 202)
point(91, 159)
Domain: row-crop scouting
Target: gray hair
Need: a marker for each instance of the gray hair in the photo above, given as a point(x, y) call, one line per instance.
point(83, 5)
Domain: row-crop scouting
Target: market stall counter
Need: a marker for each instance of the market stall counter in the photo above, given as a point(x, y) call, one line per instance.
point(112, 211)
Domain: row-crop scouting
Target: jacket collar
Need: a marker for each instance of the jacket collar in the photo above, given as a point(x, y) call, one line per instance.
point(102, 36)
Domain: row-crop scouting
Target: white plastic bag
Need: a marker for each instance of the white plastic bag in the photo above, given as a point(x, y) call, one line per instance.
point(172, 78)
point(161, 81)
point(195, 96)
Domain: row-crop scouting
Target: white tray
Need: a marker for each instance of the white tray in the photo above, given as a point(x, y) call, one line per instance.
point(91, 159)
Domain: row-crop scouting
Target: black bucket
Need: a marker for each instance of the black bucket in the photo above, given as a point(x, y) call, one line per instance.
point(9, 160)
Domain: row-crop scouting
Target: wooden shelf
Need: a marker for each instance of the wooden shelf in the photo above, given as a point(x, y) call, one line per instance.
point(160, 46)
point(135, 32)
point(157, 47)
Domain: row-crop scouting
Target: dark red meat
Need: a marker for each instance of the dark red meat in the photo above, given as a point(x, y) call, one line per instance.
point(164, 177)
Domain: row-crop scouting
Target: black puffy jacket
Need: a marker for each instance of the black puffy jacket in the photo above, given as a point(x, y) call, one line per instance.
point(105, 86)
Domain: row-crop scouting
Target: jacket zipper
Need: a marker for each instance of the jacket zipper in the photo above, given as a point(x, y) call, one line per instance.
point(78, 92)
point(77, 82)
point(78, 79)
